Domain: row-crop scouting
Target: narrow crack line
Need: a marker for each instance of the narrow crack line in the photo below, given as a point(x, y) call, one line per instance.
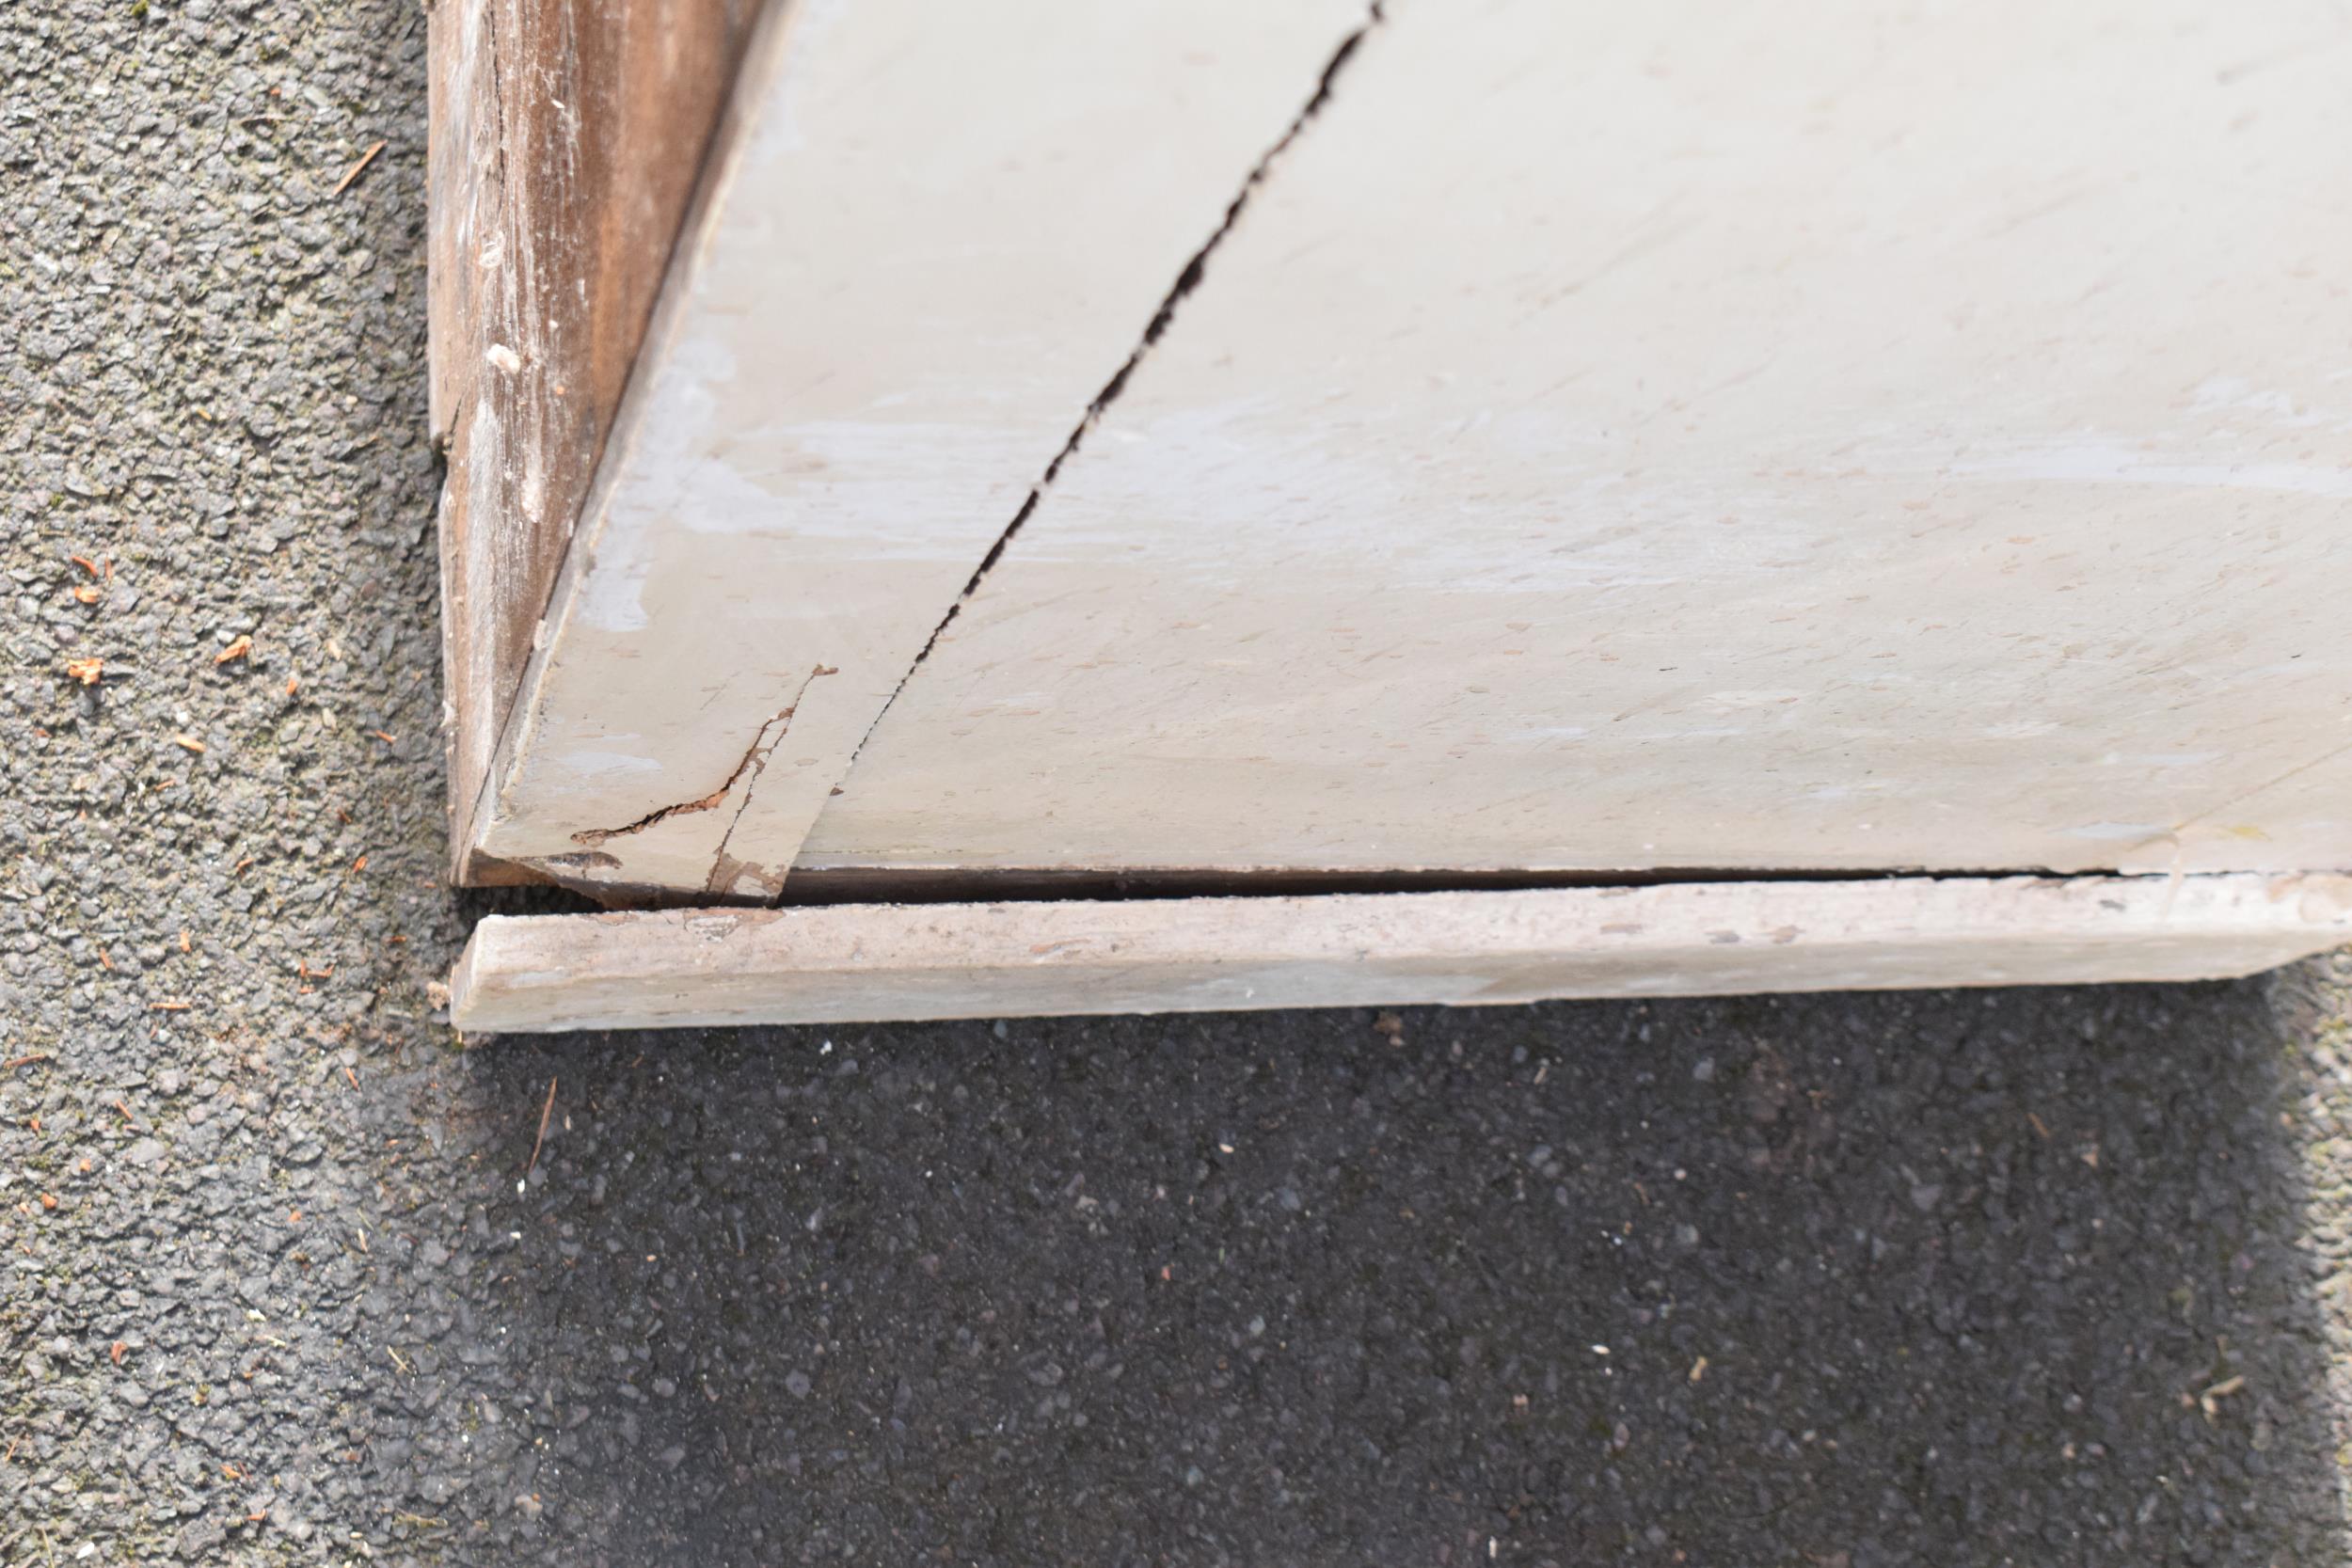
point(755, 757)
point(1189, 278)
point(2243, 795)
point(683, 808)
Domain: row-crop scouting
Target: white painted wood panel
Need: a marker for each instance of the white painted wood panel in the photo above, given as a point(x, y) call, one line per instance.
point(823, 965)
point(1705, 436)
point(931, 234)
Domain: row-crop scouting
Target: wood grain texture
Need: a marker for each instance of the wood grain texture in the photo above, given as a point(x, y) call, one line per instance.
point(854, 963)
point(941, 230)
point(565, 139)
point(1666, 436)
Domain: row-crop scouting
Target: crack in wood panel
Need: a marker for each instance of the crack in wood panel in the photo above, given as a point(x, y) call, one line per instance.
point(1187, 278)
point(744, 520)
point(1502, 505)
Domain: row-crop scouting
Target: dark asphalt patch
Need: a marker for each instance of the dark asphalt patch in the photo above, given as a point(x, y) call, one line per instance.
point(1853, 1279)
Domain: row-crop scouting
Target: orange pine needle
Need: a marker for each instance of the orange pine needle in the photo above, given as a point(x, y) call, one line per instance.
point(359, 169)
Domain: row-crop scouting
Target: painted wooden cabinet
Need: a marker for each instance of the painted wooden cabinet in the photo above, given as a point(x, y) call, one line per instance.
point(1346, 481)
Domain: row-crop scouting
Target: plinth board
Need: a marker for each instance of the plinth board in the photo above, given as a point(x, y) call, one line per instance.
point(853, 963)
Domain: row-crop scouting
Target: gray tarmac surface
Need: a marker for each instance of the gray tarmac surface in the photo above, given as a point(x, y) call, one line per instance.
point(1832, 1282)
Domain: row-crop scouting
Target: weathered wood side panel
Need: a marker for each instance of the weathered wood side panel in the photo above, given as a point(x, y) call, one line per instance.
point(849, 962)
point(565, 138)
point(940, 231)
point(1665, 437)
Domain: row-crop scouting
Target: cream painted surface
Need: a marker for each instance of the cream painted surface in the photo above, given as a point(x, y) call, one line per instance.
point(865, 961)
point(934, 235)
point(1679, 435)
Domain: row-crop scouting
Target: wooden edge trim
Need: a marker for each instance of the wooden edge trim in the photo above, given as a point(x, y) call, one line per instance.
point(871, 962)
point(565, 144)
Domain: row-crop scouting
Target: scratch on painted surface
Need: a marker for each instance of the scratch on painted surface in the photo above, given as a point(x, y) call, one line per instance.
point(2270, 784)
point(2117, 462)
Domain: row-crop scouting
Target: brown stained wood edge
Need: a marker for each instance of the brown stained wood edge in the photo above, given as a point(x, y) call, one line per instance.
point(565, 142)
point(715, 967)
point(489, 871)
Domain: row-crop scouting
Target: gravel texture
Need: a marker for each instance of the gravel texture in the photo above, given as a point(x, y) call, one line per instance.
point(1833, 1282)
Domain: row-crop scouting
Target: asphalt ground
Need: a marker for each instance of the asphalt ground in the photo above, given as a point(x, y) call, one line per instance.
point(2053, 1276)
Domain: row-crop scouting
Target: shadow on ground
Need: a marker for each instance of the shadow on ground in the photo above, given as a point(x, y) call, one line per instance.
point(1839, 1280)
